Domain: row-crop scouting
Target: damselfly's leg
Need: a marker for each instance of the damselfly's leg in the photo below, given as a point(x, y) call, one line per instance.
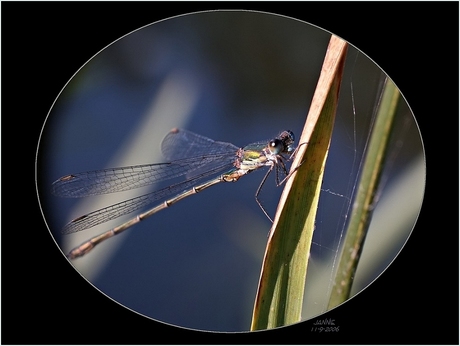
point(258, 191)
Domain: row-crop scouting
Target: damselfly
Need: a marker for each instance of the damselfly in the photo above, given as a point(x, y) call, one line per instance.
point(189, 154)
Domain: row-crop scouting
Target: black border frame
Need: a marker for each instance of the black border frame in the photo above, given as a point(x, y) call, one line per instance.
point(37, 61)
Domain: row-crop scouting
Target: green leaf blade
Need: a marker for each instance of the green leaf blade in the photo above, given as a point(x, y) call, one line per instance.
point(367, 188)
point(282, 282)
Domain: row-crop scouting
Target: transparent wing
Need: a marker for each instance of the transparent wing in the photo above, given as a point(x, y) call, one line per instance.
point(122, 208)
point(187, 150)
point(124, 178)
point(181, 144)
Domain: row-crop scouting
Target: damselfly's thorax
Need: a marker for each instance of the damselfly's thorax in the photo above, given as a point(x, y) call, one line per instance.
point(260, 154)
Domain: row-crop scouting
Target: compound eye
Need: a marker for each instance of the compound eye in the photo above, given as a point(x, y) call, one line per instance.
point(276, 146)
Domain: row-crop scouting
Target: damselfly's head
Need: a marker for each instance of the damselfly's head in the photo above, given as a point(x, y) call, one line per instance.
point(284, 143)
